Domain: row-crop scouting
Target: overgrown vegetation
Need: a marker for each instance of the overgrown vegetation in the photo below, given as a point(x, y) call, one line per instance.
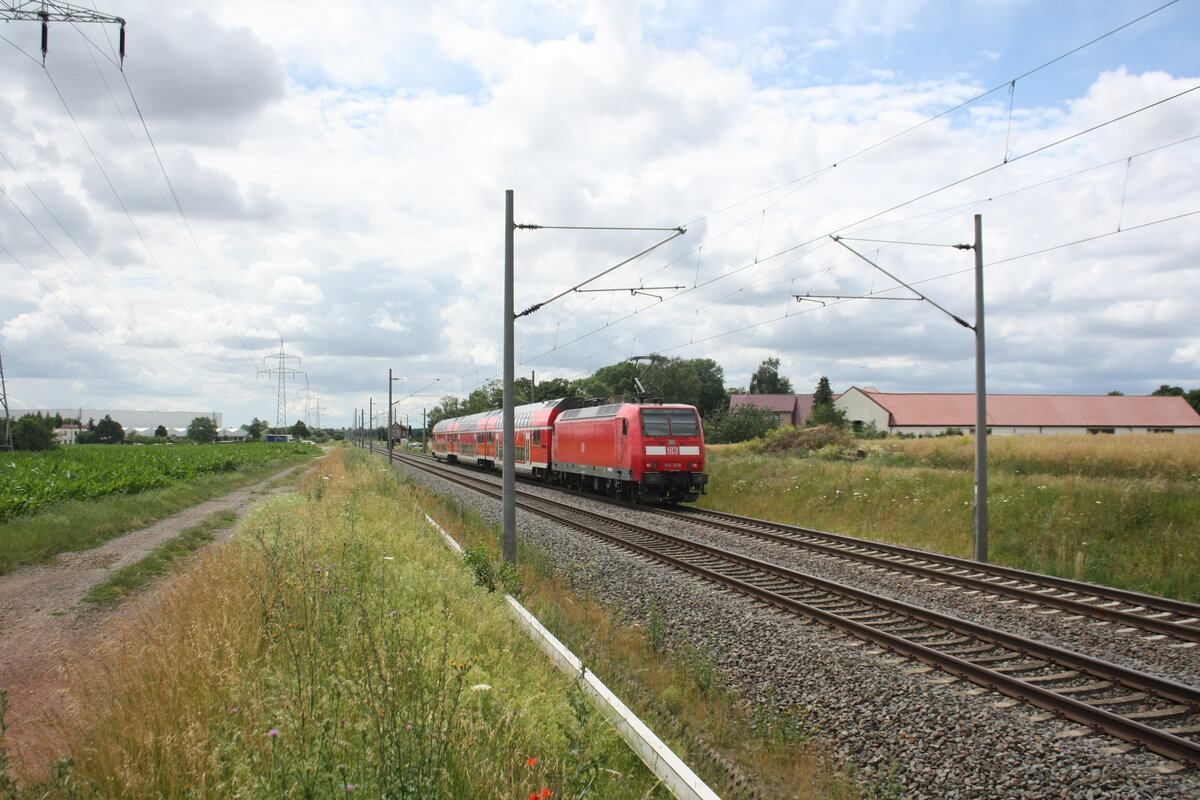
point(135, 577)
point(332, 647)
point(1117, 510)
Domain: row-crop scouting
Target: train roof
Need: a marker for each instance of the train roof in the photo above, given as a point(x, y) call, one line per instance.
point(487, 420)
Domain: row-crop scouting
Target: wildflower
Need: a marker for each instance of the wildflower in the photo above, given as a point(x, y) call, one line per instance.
point(531, 762)
point(481, 687)
point(545, 792)
point(318, 570)
point(533, 796)
point(233, 711)
point(273, 733)
point(408, 727)
point(349, 787)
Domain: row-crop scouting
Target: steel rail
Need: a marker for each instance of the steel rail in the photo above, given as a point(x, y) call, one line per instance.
point(1180, 607)
point(1158, 741)
point(1161, 742)
point(741, 525)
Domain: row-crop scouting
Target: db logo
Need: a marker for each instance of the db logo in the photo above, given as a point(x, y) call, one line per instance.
point(672, 451)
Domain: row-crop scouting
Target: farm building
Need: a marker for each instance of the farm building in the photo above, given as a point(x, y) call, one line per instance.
point(1018, 414)
point(789, 409)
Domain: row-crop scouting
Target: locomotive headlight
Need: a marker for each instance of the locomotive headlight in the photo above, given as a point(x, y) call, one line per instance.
point(651, 465)
point(694, 465)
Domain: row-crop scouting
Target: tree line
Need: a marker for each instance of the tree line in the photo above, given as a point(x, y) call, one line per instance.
point(699, 382)
point(36, 432)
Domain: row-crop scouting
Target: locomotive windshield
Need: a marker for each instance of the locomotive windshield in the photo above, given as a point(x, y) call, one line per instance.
point(669, 422)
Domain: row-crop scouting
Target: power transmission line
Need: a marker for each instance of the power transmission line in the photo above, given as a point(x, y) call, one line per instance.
point(283, 373)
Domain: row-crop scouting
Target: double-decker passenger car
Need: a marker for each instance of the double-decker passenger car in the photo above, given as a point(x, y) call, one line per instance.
point(651, 452)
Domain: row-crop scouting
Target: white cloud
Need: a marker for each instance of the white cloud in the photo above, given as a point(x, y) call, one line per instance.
point(292, 290)
point(343, 177)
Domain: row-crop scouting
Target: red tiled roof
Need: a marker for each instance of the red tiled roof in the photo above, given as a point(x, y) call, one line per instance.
point(1033, 410)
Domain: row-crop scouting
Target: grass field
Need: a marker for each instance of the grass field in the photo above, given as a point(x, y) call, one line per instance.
point(1117, 510)
point(333, 646)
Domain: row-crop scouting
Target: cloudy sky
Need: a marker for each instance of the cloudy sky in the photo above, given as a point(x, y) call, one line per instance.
point(332, 176)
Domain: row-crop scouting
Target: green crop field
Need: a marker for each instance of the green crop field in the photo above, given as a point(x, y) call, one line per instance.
point(32, 481)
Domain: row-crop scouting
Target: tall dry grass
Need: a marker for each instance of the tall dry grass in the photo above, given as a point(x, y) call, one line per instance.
point(333, 646)
point(1117, 510)
point(1140, 455)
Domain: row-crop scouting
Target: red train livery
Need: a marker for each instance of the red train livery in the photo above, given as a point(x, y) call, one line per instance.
point(651, 452)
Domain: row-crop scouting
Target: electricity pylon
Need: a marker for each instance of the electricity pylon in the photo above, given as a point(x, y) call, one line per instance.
point(283, 372)
point(47, 11)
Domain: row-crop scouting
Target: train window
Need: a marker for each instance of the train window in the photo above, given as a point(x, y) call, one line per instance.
point(669, 422)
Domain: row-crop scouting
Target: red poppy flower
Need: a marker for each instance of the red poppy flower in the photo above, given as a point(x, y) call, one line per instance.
point(545, 792)
point(531, 761)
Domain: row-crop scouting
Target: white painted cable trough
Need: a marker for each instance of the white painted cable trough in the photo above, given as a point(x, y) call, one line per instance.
point(662, 761)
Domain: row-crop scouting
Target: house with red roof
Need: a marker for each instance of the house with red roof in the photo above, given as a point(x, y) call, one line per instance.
point(789, 409)
point(1018, 414)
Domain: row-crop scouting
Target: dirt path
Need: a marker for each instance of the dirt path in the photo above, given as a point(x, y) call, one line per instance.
point(42, 625)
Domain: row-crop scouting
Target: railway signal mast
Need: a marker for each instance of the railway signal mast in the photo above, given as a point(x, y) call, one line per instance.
point(47, 11)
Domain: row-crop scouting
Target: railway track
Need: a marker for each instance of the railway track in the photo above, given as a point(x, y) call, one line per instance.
point(1131, 611)
point(1161, 715)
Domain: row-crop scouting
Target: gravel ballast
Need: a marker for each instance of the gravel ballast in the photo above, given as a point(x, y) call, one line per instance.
point(898, 723)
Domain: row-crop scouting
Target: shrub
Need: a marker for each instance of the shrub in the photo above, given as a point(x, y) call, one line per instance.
point(807, 439)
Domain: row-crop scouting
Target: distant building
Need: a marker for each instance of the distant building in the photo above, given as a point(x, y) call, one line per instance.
point(67, 433)
point(1018, 414)
point(789, 409)
point(131, 419)
point(232, 434)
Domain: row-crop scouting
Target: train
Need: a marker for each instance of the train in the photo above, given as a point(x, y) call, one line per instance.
point(638, 451)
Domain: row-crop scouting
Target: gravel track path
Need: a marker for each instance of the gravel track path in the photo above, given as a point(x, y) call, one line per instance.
point(43, 629)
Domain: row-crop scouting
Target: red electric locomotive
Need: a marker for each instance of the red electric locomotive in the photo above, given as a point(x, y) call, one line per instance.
point(650, 452)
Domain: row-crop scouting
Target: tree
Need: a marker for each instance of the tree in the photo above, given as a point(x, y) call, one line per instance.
point(1115, 393)
point(767, 380)
point(256, 429)
point(202, 430)
point(32, 433)
point(615, 380)
point(698, 382)
point(161, 431)
point(109, 431)
point(824, 412)
point(299, 430)
point(448, 408)
point(739, 424)
point(1193, 397)
point(553, 389)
